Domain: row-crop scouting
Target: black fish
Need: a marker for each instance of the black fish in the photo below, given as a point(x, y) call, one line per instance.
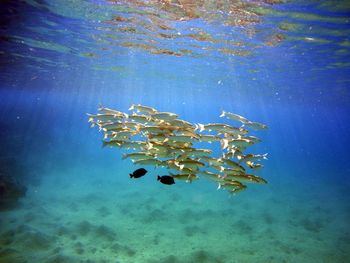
point(166, 179)
point(138, 173)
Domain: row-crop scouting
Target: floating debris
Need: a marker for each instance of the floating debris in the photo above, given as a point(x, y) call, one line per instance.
point(161, 139)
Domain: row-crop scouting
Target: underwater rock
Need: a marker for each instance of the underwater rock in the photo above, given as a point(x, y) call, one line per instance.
point(105, 233)
point(170, 259)
point(84, 227)
point(312, 225)
point(155, 215)
point(91, 198)
point(33, 238)
point(200, 256)
point(22, 229)
point(60, 259)
point(242, 227)
point(118, 249)
point(156, 239)
point(7, 238)
point(56, 250)
point(79, 250)
point(37, 240)
point(29, 217)
point(73, 207)
point(78, 245)
point(286, 248)
point(203, 256)
point(10, 191)
point(193, 230)
point(91, 261)
point(62, 231)
point(10, 255)
point(268, 218)
point(103, 211)
point(188, 215)
point(124, 210)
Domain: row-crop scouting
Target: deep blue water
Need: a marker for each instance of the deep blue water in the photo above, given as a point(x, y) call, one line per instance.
point(62, 59)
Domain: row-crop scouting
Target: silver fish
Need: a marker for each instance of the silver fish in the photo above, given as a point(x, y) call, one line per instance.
point(256, 125)
point(164, 116)
point(233, 116)
point(141, 108)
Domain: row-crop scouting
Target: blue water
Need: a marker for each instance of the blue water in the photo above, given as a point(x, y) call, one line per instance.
point(62, 59)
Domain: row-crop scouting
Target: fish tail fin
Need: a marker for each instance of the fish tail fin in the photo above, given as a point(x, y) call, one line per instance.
point(142, 133)
point(265, 156)
point(250, 164)
point(131, 175)
point(224, 143)
point(233, 151)
point(124, 156)
point(222, 114)
point(199, 127)
point(91, 118)
point(104, 144)
point(219, 186)
point(149, 146)
point(126, 116)
point(100, 107)
point(132, 107)
point(158, 178)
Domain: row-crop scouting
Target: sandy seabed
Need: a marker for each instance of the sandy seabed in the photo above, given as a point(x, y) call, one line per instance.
point(86, 216)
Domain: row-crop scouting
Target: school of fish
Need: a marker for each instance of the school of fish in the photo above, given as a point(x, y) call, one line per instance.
point(161, 139)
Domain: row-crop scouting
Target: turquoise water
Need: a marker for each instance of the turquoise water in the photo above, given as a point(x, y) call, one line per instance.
point(282, 64)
